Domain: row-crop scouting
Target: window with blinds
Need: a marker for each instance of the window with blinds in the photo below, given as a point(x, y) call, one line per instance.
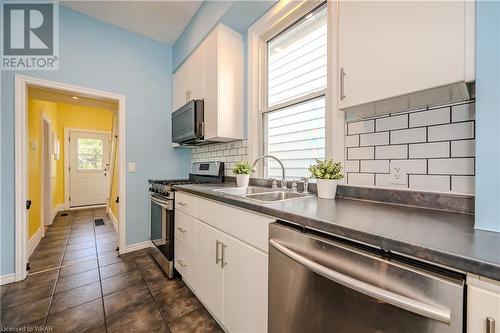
point(294, 121)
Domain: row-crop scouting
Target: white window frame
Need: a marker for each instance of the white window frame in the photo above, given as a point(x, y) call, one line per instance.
point(276, 20)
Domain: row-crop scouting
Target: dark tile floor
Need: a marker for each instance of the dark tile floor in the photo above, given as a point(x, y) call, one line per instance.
point(77, 283)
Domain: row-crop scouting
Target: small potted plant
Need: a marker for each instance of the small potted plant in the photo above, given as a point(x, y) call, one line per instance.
point(327, 173)
point(242, 170)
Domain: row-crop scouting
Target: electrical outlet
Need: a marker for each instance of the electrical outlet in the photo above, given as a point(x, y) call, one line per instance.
point(131, 167)
point(398, 172)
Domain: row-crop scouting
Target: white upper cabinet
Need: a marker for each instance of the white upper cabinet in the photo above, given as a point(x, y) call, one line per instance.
point(407, 54)
point(214, 73)
point(180, 86)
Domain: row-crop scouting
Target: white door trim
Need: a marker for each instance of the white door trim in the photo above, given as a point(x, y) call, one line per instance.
point(44, 200)
point(66, 162)
point(21, 150)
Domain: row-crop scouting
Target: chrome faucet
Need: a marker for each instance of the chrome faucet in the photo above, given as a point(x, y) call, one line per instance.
point(283, 180)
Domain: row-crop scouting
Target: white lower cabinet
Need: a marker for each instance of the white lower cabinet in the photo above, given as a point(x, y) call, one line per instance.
point(483, 305)
point(208, 273)
point(245, 288)
point(226, 267)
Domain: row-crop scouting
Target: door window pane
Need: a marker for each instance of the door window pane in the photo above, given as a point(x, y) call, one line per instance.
point(89, 154)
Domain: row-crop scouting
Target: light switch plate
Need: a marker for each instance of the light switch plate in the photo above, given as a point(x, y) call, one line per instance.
point(398, 172)
point(131, 166)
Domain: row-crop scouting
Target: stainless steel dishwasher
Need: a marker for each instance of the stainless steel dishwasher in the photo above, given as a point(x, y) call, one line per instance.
point(317, 284)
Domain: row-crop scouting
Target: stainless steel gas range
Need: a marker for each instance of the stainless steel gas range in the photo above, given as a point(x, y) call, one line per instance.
point(162, 217)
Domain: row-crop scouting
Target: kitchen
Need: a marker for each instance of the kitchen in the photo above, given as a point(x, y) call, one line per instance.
point(317, 166)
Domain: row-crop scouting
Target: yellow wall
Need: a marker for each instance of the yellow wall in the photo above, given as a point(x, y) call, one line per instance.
point(61, 116)
point(36, 110)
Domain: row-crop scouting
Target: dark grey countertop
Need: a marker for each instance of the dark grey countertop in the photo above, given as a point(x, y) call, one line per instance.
point(443, 238)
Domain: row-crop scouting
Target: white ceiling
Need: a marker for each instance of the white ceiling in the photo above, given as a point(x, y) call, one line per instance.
point(163, 20)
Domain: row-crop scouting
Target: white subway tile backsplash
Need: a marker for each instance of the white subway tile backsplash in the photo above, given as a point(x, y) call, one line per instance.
point(463, 184)
point(391, 152)
point(430, 117)
point(463, 148)
point(359, 127)
point(361, 179)
point(429, 183)
point(351, 141)
point(437, 147)
point(463, 112)
point(375, 166)
point(392, 123)
point(361, 153)
point(451, 132)
point(408, 135)
point(229, 153)
point(384, 180)
point(452, 166)
point(429, 150)
point(374, 139)
point(351, 166)
point(414, 166)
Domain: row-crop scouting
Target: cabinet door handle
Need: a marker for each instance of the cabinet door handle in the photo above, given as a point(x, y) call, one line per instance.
point(223, 260)
point(342, 83)
point(490, 325)
point(182, 263)
point(181, 229)
point(217, 259)
point(181, 203)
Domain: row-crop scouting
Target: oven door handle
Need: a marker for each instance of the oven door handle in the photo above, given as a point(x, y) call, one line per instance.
point(164, 204)
point(400, 301)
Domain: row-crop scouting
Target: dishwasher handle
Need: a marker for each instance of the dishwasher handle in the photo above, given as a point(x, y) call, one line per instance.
point(400, 301)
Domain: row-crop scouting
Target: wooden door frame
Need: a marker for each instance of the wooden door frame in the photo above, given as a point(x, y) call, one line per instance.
point(22, 83)
point(67, 188)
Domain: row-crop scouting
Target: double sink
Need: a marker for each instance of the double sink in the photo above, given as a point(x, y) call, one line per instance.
point(262, 194)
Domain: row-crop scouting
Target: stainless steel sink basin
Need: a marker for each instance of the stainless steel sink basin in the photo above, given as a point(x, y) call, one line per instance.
point(276, 196)
point(242, 191)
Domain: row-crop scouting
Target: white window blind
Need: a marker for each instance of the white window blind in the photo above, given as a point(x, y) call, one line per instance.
point(295, 130)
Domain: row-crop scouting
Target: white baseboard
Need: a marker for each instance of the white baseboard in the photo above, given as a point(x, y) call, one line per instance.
point(113, 219)
point(34, 241)
point(136, 247)
point(7, 278)
point(56, 210)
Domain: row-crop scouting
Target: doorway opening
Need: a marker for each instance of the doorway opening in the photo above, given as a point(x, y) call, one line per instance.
point(70, 146)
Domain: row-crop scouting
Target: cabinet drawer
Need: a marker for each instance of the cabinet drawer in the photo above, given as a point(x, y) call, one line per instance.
point(184, 261)
point(185, 229)
point(186, 203)
point(243, 225)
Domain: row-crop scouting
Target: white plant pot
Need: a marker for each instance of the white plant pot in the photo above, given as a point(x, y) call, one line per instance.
point(242, 180)
point(326, 188)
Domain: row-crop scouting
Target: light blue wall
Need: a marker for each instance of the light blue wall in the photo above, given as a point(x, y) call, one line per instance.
point(488, 115)
point(101, 56)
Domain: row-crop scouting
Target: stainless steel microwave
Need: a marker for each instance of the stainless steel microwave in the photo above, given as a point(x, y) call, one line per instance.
point(188, 126)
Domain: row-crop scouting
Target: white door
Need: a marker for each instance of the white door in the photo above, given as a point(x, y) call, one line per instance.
point(245, 288)
point(88, 168)
point(196, 73)
point(208, 271)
